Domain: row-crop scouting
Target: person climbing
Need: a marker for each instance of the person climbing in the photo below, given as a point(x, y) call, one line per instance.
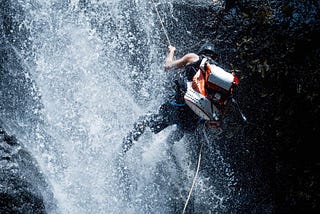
point(201, 96)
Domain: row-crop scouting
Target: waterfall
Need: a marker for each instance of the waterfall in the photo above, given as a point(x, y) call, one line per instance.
point(96, 66)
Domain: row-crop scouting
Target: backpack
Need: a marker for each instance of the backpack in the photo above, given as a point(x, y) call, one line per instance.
point(209, 91)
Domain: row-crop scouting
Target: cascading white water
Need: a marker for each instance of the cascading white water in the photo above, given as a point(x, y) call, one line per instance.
point(84, 70)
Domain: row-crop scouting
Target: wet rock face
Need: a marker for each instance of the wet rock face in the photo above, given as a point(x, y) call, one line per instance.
point(273, 47)
point(277, 54)
point(16, 87)
point(22, 186)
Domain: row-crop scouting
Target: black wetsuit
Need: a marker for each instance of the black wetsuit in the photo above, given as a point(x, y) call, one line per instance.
point(173, 112)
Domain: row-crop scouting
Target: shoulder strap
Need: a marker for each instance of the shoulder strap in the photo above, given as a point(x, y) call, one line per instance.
point(203, 64)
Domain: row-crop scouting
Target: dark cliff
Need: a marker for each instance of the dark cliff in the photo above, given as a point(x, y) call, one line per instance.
point(23, 187)
point(273, 47)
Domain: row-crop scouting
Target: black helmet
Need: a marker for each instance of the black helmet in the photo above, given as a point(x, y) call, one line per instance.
point(208, 49)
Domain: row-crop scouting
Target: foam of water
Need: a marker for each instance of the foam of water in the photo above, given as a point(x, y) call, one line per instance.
point(87, 109)
point(84, 78)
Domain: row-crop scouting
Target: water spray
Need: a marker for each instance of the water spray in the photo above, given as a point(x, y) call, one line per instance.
point(162, 25)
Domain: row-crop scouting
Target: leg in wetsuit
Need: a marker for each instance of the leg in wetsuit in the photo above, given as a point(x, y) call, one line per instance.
point(170, 113)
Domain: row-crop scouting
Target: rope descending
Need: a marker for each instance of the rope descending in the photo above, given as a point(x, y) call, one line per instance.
point(197, 171)
point(163, 28)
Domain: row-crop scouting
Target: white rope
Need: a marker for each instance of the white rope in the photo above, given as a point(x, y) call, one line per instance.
point(197, 171)
point(163, 28)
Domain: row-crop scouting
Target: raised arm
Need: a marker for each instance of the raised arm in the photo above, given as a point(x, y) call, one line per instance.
point(170, 63)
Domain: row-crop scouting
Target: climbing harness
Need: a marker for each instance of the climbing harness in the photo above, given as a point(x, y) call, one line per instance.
point(197, 171)
point(200, 104)
point(163, 28)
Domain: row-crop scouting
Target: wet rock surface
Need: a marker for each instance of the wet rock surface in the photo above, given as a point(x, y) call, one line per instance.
point(279, 70)
point(272, 46)
point(23, 188)
point(277, 52)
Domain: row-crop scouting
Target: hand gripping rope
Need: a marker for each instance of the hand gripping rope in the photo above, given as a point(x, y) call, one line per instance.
point(204, 131)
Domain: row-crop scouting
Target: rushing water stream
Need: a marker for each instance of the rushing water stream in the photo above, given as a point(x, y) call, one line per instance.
point(96, 67)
